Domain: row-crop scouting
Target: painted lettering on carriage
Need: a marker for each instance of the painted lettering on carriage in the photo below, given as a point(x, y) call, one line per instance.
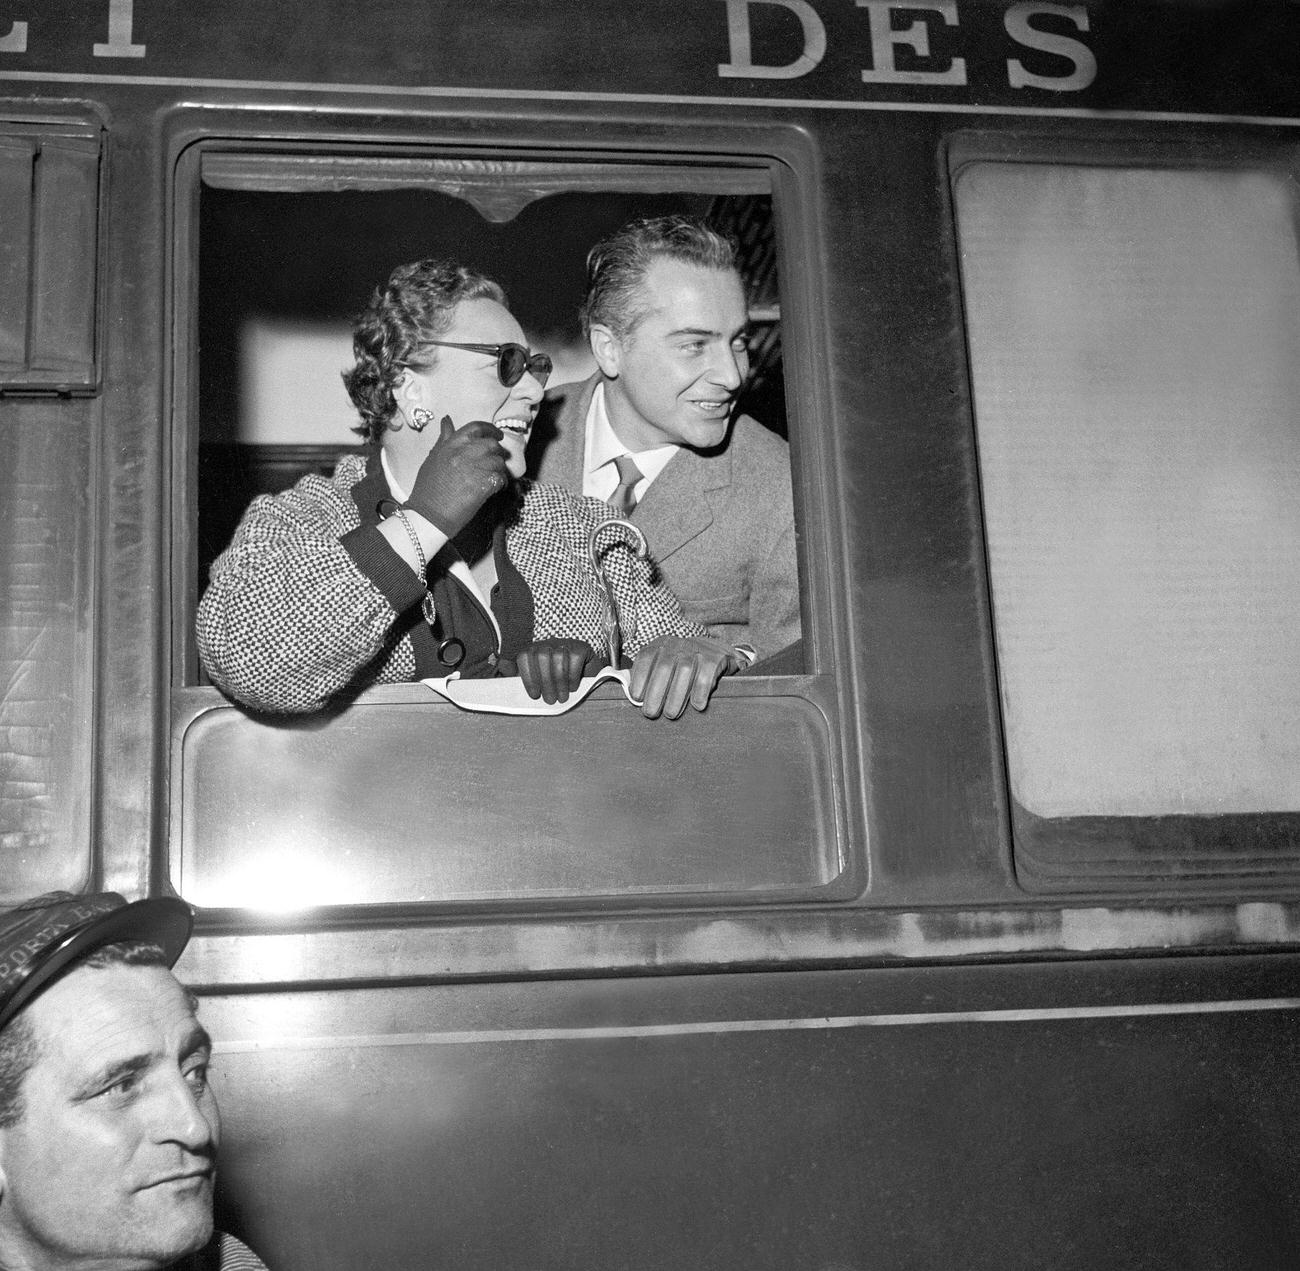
point(913, 43)
point(1019, 29)
point(120, 43)
point(917, 26)
point(916, 36)
point(121, 16)
point(742, 65)
point(16, 40)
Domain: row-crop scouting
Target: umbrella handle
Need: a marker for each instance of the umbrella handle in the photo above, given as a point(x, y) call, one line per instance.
point(613, 634)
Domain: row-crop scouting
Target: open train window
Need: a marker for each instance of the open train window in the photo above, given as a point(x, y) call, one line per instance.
point(343, 809)
point(290, 251)
point(1133, 331)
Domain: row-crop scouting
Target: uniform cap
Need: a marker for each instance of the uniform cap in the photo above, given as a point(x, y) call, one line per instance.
point(45, 936)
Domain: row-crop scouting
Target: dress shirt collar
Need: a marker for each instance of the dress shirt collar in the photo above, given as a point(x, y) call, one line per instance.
point(603, 447)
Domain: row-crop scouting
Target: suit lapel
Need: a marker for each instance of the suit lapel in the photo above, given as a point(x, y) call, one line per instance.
point(561, 434)
point(679, 504)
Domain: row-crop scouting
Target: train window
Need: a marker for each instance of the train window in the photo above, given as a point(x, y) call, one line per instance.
point(49, 233)
point(1133, 334)
point(398, 798)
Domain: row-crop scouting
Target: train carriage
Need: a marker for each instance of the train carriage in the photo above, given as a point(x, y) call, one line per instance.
point(966, 938)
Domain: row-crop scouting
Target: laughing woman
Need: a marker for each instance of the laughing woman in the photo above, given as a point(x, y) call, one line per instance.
point(428, 553)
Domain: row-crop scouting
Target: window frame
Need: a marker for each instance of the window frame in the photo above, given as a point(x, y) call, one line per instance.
point(1184, 853)
point(784, 153)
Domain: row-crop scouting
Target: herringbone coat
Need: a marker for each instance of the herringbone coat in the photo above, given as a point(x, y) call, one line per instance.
point(291, 621)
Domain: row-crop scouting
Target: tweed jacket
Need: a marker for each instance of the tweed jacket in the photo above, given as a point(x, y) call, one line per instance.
point(719, 524)
point(310, 603)
point(222, 1253)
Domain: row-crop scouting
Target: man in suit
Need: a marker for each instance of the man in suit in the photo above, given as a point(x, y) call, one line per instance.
point(655, 432)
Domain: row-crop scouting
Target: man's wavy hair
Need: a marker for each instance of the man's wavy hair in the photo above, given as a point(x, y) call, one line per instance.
point(416, 305)
point(617, 265)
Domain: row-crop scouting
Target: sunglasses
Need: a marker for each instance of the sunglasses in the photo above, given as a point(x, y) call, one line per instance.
point(512, 361)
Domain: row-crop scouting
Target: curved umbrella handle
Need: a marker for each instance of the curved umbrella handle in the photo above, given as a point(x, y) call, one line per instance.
point(613, 633)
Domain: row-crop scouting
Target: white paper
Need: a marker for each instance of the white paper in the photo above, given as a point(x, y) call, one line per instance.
point(505, 695)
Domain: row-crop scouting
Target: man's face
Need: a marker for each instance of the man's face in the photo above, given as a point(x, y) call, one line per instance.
point(111, 1163)
point(674, 377)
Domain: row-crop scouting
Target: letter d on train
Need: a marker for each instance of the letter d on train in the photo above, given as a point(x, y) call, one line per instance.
point(742, 65)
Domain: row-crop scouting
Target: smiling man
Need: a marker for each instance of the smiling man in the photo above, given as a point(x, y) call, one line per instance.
point(108, 1127)
point(655, 432)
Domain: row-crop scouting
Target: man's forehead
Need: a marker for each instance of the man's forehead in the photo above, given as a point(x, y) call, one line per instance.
point(97, 1013)
point(689, 296)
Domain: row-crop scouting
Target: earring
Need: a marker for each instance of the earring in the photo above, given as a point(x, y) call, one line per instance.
point(420, 419)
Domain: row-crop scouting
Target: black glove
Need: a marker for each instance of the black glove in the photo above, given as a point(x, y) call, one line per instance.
point(672, 670)
point(551, 669)
point(465, 468)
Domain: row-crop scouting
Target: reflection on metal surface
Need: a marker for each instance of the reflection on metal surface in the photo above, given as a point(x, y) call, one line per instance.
point(399, 799)
point(611, 945)
point(696, 1028)
point(47, 645)
point(283, 877)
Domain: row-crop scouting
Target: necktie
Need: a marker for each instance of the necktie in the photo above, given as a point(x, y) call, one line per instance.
point(623, 500)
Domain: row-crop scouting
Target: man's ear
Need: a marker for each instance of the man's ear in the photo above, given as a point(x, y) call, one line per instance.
point(607, 349)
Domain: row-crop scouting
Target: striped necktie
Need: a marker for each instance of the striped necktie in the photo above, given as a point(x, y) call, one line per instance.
point(623, 500)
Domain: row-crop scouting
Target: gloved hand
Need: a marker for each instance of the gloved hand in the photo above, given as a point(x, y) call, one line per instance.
point(672, 670)
point(551, 669)
point(463, 470)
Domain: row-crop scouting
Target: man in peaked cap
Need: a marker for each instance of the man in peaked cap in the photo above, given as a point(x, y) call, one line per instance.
point(108, 1127)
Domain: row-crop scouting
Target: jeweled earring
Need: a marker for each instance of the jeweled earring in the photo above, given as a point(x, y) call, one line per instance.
point(420, 419)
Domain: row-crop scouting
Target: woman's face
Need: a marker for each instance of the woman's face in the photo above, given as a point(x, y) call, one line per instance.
point(465, 385)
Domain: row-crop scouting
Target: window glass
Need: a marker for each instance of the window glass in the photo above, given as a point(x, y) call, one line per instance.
point(1133, 342)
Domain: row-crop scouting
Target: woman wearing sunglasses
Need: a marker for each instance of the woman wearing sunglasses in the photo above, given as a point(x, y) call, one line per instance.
point(429, 554)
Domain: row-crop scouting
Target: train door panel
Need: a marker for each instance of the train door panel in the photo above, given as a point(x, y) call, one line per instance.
point(980, 1117)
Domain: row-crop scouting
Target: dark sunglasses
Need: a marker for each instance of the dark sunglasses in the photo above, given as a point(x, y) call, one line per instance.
point(512, 360)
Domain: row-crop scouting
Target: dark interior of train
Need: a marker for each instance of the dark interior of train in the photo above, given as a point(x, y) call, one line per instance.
point(282, 274)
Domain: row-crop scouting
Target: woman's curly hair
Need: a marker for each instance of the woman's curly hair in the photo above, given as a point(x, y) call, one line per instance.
point(414, 306)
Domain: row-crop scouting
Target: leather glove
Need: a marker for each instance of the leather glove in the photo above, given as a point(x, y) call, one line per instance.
point(463, 470)
point(551, 669)
point(672, 670)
